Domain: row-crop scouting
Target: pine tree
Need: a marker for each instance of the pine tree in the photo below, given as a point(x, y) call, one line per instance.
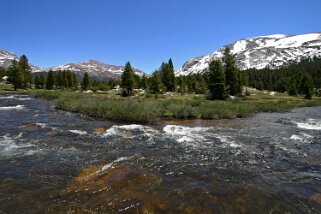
point(60, 79)
point(307, 83)
point(137, 80)
point(42, 81)
point(65, 79)
point(168, 76)
point(85, 82)
point(156, 83)
point(70, 80)
point(26, 70)
point(144, 82)
point(37, 82)
point(216, 81)
point(3, 72)
point(191, 83)
point(181, 84)
point(75, 81)
point(171, 85)
point(231, 73)
point(15, 75)
point(127, 80)
point(50, 80)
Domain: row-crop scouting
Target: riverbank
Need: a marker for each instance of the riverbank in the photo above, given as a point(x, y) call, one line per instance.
point(142, 110)
point(149, 110)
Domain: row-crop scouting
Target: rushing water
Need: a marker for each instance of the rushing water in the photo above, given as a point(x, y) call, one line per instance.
point(53, 161)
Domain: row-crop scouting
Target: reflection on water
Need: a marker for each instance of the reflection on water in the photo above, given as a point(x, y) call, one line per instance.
point(61, 162)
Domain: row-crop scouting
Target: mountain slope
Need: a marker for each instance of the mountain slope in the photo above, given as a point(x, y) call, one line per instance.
point(259, 52)
point(95, 69)
point(6, 58)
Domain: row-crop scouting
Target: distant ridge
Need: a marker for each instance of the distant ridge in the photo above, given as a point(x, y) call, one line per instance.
point(259, 52)
point(94, 68)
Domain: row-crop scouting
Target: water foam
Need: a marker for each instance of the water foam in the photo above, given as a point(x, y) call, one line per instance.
point(188, 135)
point(302, 137)
point(107, 166)
point(196, 136)
point(17, 97)
point(10, 147)
point(311, 124)
point(126, 131)
point(78, 132)
point(17, 107)
point(42, 125)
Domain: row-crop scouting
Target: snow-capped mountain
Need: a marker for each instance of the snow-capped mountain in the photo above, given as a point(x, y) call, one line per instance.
point(6, 58)
point(95, 69)
point(259, 52)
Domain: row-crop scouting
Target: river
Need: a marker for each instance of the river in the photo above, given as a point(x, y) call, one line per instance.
point(53, 161)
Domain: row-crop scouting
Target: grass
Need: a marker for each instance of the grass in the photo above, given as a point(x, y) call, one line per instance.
point(149, 110)
point(143, 110)
point(7, 89)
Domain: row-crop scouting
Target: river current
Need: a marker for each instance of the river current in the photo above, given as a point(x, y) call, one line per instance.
point(53, 161)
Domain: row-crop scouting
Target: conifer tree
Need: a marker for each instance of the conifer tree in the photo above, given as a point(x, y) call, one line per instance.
point(26, 70)
point(231, 73)
point(144, 82)
point(191, 83)
point(167, 75)
point(70, 80)
point(292, 89)
point(216, 80)
point(171, 85)
point(127, 80)
point(3, 72)
point(181, 84)
point(37, 82)
point(60, 79)
point(75, 81)
point(85, 82)
point(15, 75)
point(307, 83)
point(156, 83)
point(50, 80)
point(65, 79)
point(42, 81)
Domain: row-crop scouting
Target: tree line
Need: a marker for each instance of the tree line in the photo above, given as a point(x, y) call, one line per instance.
point(64, 79)
point(221, 79)
point(303, 77)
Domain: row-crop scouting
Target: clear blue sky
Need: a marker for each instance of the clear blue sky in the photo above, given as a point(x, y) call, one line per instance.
point(146, 32)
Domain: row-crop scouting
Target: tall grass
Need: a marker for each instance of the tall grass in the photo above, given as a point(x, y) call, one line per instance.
point(140, 110)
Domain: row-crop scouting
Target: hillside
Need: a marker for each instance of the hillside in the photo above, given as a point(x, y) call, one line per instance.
point(273, 51)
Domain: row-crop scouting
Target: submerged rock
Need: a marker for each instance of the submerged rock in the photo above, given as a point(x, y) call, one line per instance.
point(32, 127)
point(120, 188)
point(316, 197)
point(100, 130)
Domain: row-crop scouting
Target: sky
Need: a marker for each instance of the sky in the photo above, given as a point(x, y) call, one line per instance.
point(144, 32)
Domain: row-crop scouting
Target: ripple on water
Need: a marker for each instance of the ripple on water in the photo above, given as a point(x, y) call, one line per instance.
point(302, 137)
point(310, 124)
point(130, 131)
point(10, 146)
point(16, 97)
point(17, 107)
point(79, 132)
point(197, 136)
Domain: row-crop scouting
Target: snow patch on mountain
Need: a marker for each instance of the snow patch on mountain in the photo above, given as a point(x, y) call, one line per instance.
point(271, 51)
point(95, 69)
point(6, 58)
